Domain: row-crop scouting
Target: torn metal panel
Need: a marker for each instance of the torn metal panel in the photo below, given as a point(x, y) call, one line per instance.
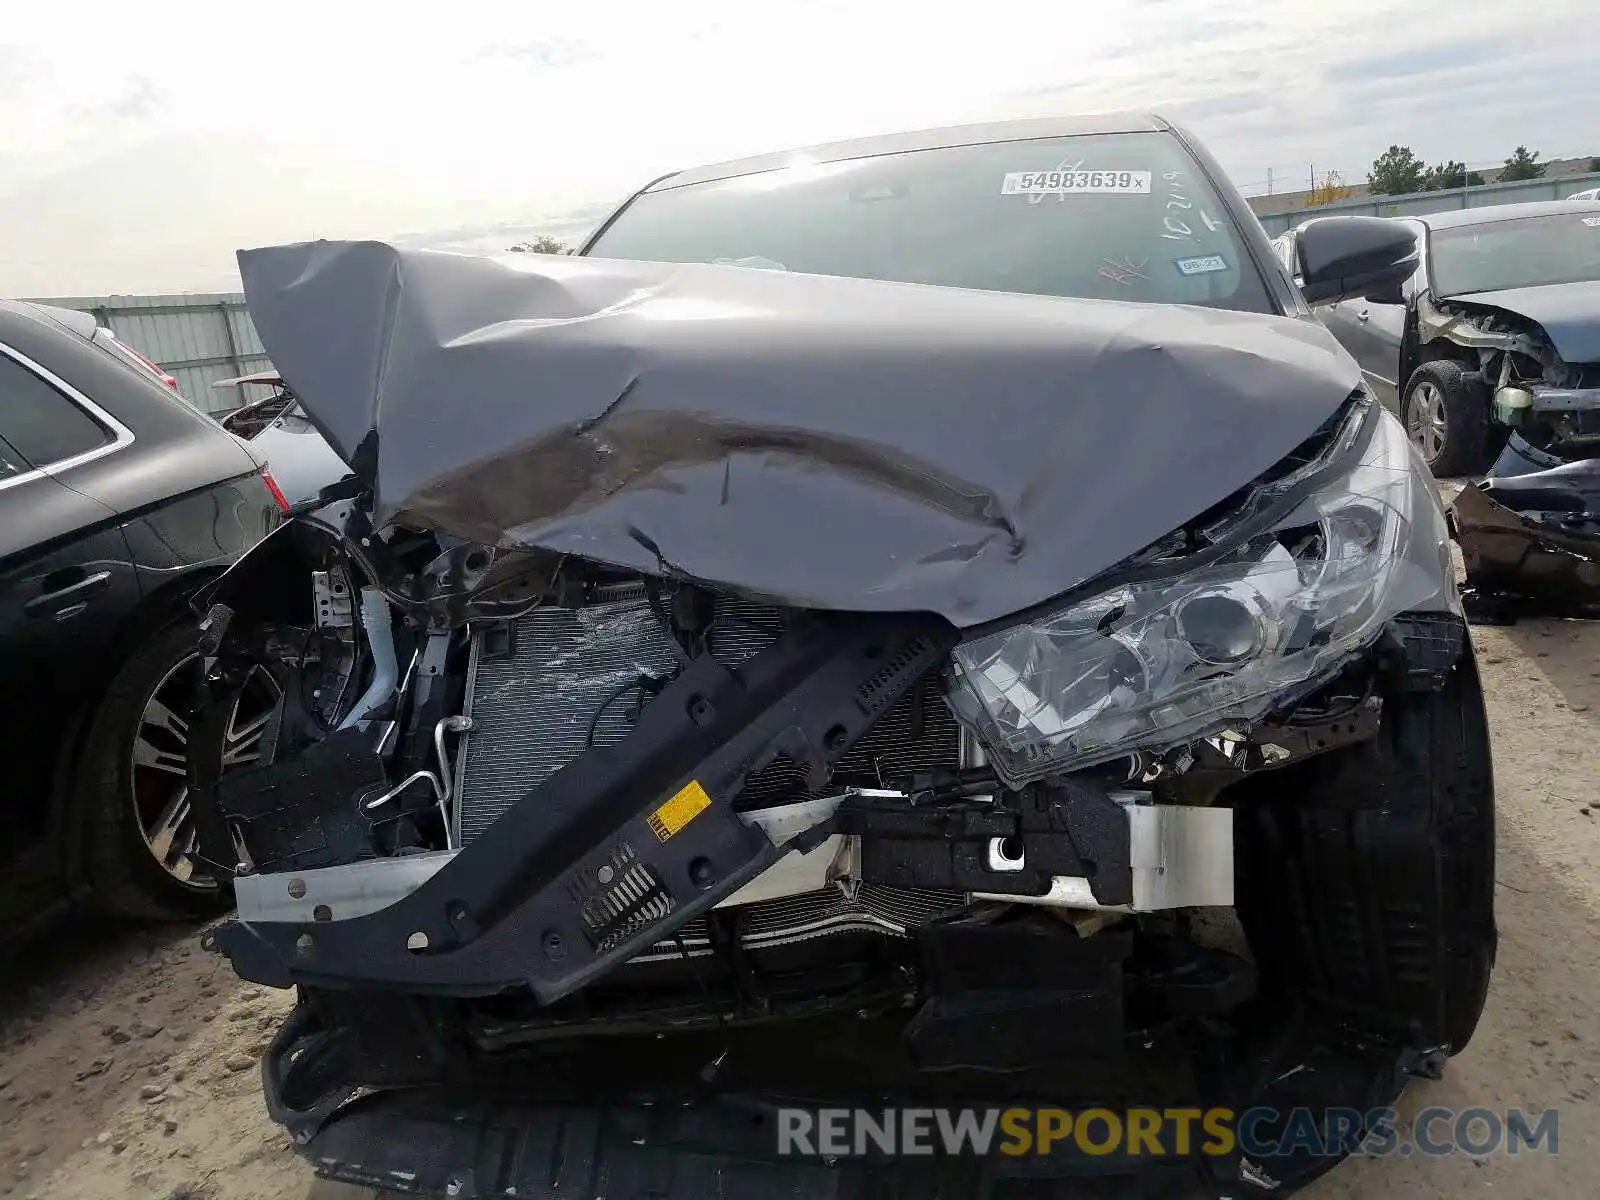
point(1465, 330)
point(1533, 537)
point(816, 441)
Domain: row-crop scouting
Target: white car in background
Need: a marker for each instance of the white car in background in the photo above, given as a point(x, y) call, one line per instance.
point(281, 433)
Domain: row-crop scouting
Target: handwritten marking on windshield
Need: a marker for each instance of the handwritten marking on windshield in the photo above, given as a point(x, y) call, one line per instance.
point(1177, 229)
point(1124, 271)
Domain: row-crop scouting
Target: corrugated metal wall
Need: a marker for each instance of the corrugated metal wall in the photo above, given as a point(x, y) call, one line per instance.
point(198, 339)
point(1431, 202)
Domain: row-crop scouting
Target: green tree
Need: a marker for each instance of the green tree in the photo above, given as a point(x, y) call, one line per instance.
point(1594, 164)
point(1523, 164)
point(543, 244)
point(1395, 172)
point(1450, 174)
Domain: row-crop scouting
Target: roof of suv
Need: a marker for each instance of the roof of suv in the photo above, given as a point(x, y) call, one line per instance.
point(1457, 217)
point(920, 139)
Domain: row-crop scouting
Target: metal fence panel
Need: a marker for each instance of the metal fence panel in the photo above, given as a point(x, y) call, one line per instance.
point(1431, 202)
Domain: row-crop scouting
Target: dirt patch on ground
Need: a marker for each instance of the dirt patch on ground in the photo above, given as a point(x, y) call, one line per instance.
point(129, 1063)
point(130, 1069)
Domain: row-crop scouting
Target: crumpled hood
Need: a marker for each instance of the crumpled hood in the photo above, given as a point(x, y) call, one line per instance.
point(1569, 313)
point(823, 442)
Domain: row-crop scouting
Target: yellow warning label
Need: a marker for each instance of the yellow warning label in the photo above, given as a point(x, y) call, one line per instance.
point(677, 812)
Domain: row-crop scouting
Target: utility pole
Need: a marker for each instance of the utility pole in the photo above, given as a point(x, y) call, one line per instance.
point(1269, 181)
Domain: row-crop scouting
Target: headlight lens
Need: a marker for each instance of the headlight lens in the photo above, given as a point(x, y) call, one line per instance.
point(1163, 662)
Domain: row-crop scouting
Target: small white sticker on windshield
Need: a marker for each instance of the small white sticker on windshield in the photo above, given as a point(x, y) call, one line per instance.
point(1592, 221)
point(1080, 183)
point(1204, 264)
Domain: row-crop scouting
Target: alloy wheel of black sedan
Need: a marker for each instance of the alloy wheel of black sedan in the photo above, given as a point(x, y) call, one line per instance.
point(160, 759)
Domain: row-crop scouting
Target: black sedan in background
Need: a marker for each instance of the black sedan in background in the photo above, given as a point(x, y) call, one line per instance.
point(1498, 329)
point(117, 501)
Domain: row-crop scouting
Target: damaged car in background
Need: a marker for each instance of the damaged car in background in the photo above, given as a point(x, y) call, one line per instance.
point(1018, 665)
point(1497, 330)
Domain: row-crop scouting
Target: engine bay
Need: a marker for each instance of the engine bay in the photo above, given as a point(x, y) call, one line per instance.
point(473, 849)
point(454, 793)
point(1534, 389)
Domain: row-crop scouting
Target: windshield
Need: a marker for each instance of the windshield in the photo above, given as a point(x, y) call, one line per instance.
point(1523, 252)
point(1113, 217)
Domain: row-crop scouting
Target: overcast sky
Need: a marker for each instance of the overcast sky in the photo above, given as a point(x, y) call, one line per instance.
point(140, 144)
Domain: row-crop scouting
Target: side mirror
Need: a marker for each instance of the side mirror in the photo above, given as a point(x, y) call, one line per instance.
point(1342, 257)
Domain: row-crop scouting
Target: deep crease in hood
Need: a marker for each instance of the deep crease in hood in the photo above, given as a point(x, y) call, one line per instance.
point(1569, 314)
point(811, 440)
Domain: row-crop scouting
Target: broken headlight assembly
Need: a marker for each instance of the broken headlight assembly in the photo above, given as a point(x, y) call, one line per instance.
point(1160, 661)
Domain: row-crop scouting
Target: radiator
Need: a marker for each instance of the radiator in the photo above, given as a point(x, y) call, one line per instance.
point(558, 680)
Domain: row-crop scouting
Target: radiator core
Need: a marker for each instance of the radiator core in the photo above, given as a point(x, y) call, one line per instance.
point(558, 680)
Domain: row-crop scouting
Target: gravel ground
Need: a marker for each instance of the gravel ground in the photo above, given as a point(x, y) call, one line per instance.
point(128, 1061)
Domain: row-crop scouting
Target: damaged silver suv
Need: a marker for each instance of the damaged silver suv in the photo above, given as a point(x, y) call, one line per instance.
point(925, 617)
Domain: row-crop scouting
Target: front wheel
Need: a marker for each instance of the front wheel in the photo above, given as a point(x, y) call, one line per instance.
point(1446, 415)
point(1367, 877)
point(141, 844)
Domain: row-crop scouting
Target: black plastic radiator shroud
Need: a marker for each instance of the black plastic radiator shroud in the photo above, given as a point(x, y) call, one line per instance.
point(627, 843)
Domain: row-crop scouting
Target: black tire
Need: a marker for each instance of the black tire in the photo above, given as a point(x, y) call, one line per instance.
point(1366, 878)
point(124, 876)
point(1459, 440)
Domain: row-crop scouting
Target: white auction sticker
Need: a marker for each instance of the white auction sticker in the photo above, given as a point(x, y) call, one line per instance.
point(1205, 264)
point(1076, 183)
point(1592, 221)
